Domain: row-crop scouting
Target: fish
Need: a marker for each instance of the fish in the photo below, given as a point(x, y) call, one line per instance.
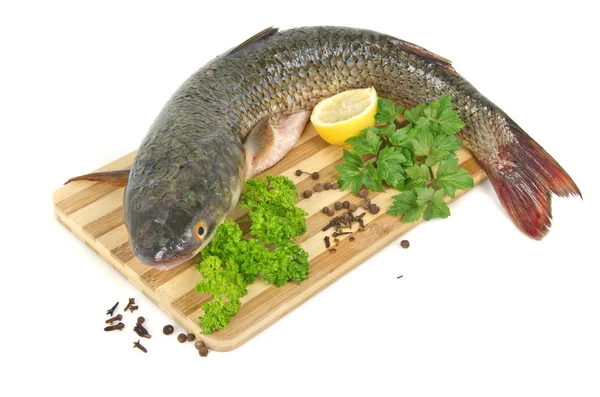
point(245, 109)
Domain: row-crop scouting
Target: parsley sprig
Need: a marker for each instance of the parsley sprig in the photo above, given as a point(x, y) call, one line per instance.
point(419, 158)
point(231, 262)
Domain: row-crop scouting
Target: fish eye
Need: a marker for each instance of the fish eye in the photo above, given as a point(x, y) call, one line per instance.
point(200, 230)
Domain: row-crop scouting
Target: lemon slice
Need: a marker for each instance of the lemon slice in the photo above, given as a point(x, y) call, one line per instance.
point(344, 115)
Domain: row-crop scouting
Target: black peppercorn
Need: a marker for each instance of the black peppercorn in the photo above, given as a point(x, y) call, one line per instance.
point(404, 244)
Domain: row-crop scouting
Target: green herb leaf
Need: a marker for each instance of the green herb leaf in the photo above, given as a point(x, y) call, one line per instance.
point(451, 177)
point(422, 143)
point(371, 180)
point(389, 167)
point(367, 143)
point(406, 204)
point(350, 177)
point(415, 113)
point(418, 175)
point(449, 121)
point(387, 111)
point(437, 207)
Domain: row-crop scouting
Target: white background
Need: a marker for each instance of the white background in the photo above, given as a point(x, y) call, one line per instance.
point(481, 309)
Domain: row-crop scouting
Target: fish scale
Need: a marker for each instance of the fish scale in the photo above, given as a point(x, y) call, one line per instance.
point(197, 148)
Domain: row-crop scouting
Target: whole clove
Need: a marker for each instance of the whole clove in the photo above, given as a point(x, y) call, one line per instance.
point(335, 234)
point(143, 332)
point(327, 242)
point(111, 311)
point(131, 302)
point(119, 326)
point(351, 238)
point(140, 333)
point(332, 250)
point(118, 317)
point(361, 224)
point(133, 308)
point(139, 346)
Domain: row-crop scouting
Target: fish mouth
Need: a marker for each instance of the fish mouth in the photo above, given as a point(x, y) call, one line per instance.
point(160, 261)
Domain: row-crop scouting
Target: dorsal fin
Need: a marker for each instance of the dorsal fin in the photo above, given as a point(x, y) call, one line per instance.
point(263, 34)
point(422, 52)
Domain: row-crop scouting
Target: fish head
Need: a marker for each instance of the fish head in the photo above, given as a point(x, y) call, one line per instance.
point(170, 220)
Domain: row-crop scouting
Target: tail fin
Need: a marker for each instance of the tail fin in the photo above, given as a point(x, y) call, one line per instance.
point(524, 176)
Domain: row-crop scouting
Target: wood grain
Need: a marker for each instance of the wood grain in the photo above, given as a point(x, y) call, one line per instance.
point(94, 213)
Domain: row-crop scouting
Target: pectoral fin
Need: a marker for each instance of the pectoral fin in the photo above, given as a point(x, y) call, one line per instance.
point(116, 176)
point(270, 140)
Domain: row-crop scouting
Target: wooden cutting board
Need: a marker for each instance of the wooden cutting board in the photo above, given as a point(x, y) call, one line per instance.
point(94, 213)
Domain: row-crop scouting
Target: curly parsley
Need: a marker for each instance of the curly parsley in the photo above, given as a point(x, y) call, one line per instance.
point(231, 262)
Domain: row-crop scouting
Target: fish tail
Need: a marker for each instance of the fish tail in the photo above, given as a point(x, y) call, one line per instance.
point(524, 176)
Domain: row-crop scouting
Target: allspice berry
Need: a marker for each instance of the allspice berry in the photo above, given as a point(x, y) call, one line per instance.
point(404, 244)
point(168, 329)
point(318, 187)
point(203, 351)
point(315, 175)
point(182, 338)
point(191, 337)
point(353, 207)
point(298, 172)
point(199, 344)
point(327, 185)
point(346, 204)
point(307, 193)
point(335, 185)
point(338, 206)
point(363, 192)
point(374, 208)
point(331, 212)
point(325, 210)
